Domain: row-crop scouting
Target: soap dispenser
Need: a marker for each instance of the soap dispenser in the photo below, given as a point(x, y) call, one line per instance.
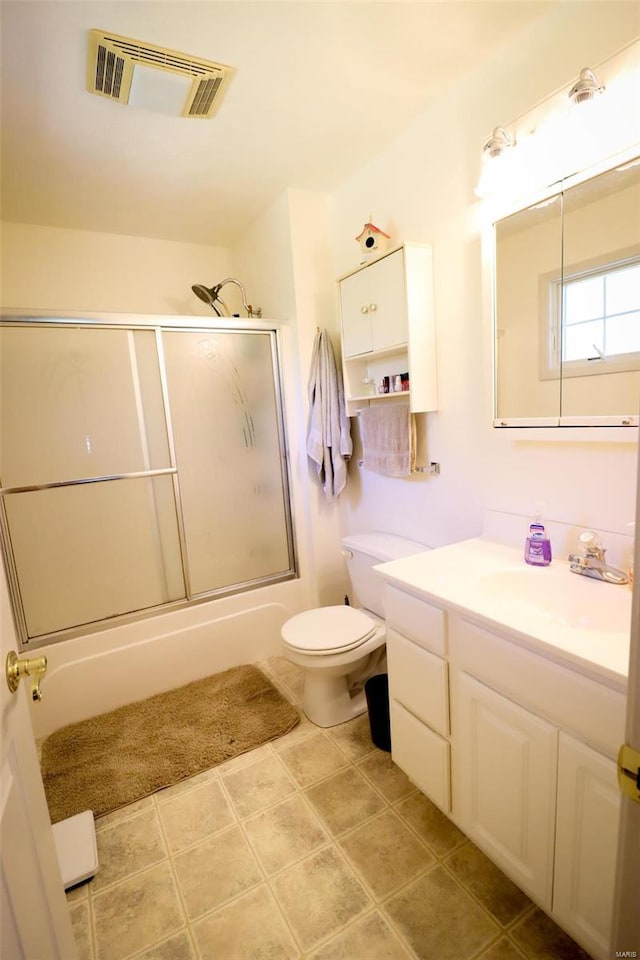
point(537, 548)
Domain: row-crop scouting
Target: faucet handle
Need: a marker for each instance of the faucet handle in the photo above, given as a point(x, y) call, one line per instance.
point(592, 543)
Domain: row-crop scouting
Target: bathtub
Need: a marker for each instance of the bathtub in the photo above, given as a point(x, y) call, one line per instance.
point(98, 672)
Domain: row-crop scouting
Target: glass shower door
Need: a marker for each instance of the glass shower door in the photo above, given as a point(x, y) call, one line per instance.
point(86, 475)
point(227, 428)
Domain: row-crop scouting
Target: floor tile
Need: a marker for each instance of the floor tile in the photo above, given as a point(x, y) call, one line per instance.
point(194, 815)
point(318, 896)
point(250, 928)
point(301, 731)
point(126, 847)
point(178, 947)
point(488, 884)
point(215, 871)
point(354, 737)
point(540, 938)
point(441, 835)
point(370, 937)
point(385, 853)
point(81, 923)
point(314, 758)
point(131, 916)
point(244, 759)
point(124, 813)
point(386, 776)
point(183, 786)
point(439, 920)
point(258, 786)
point(504, 949)
point(344, 800)
point(285, 833)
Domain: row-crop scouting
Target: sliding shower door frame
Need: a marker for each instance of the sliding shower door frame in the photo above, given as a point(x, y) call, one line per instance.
point(159, 325)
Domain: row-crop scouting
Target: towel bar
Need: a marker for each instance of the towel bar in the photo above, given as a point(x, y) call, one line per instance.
point(432, 468)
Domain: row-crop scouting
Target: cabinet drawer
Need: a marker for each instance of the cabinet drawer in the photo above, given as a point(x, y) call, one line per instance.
point(422, 754)
point(419, 680)
point(416, 619)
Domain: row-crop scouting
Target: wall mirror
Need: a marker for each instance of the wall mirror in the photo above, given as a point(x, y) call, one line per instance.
point(567, 306)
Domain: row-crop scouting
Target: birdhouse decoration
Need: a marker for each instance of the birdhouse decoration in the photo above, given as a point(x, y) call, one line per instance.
point(373, 241)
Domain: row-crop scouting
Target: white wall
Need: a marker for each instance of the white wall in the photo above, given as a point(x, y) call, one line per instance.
point(421, 188)
point(51, 269)
point(285, 255)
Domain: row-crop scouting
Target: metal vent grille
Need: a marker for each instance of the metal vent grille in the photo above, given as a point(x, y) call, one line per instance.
point(112, 62)
point(109, 72)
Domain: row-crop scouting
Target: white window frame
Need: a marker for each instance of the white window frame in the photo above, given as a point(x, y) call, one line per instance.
point(551, 365)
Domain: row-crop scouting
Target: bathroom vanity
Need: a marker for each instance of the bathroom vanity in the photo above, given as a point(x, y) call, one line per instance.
point(507, 692)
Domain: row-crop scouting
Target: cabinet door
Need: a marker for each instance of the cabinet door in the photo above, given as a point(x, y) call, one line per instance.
point(504, 791)
point(586, 844)
point(387, 305)
point(356, 318)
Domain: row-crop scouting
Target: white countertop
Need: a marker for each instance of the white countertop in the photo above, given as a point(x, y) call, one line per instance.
point(573, 619)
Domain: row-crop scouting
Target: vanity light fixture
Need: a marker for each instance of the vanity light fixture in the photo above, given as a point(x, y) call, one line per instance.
point(497, 143)
point(496, 156)
point(586, 87)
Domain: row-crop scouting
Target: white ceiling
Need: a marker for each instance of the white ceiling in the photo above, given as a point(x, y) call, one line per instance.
point(319, 87)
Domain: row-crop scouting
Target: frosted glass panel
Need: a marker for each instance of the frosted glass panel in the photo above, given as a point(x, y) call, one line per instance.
point(79, 402)
point(94, 551)
point(225, 424)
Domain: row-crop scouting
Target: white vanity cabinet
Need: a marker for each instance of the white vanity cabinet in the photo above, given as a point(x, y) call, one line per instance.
point(586, 844)
point(506, 788)
point(386, 309)
point(534, 779)
point(419, 693)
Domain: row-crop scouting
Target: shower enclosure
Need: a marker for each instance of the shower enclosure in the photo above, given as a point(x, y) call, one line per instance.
point(143, 468)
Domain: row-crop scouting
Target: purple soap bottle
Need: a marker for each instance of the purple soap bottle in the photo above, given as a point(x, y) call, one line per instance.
point(537, 548)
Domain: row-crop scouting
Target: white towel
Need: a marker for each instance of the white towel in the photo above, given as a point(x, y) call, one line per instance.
point(329, 434)
point(388, 438)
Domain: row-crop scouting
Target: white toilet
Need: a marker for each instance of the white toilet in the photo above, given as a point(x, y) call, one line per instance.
point(341, 646)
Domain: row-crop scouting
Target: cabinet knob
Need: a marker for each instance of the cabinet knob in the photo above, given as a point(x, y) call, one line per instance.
point(373, 307)
point(364, 308)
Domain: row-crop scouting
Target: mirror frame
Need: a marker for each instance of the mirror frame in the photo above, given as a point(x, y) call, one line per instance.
point(555, 427)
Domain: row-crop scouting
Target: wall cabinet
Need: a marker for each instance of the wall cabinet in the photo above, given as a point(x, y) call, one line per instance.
point(386, 309)
point(517, 750)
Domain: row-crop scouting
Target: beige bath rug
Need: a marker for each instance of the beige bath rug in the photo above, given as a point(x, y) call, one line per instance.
point(118, 757)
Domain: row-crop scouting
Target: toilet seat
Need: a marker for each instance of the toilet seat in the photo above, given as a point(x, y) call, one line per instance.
point(328, 630)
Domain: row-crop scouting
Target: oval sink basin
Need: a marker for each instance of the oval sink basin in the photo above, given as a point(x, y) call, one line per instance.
point(563, 597)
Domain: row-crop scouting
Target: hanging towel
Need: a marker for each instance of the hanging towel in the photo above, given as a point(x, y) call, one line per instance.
point(389, 439)
point(329, 433)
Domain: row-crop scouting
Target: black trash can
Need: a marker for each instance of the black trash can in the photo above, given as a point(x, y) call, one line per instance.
point(377, 693)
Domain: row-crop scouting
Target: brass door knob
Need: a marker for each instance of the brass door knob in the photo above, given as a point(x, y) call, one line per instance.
point(34, 667)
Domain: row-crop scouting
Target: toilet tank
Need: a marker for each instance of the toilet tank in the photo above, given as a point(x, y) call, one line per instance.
point(363, 552)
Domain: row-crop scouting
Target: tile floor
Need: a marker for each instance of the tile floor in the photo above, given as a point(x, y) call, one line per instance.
point(313, 846)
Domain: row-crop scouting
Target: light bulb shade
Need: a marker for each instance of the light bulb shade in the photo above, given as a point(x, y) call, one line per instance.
point(497, 143)
point(586, 86)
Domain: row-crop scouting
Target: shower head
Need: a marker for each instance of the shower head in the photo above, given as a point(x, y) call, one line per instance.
point(206, 294)
point(211, 296)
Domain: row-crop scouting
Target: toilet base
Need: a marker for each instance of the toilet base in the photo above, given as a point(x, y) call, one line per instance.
point(326, 700)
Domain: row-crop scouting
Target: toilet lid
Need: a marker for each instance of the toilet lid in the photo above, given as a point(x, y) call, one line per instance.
point(328, 629)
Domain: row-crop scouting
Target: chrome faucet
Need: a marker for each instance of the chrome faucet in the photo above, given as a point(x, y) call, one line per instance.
point(591, 562)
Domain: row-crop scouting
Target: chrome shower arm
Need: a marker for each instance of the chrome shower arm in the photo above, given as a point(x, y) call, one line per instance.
point(251, 311)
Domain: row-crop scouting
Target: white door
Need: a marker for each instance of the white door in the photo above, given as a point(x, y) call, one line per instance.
point(586, 845)
point(626, 914)
point(507, 758)
point(35, 916)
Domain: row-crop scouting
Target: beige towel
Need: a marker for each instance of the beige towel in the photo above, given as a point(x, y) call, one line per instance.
point(389, 439)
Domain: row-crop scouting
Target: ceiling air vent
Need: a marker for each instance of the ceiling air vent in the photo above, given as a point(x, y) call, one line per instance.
point(118, 68)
